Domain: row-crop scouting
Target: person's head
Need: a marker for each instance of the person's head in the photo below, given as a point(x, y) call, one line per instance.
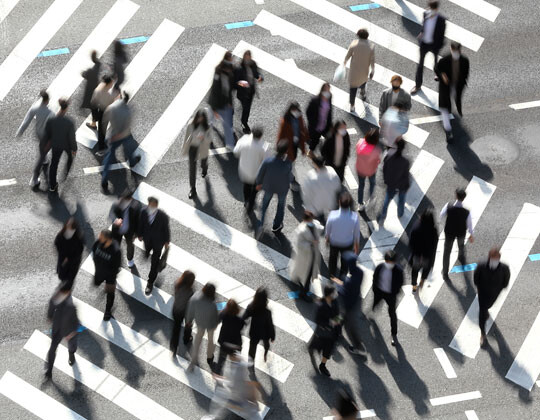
point(282, 147)
point(107, 79)
point(44, 97)
point(307, 216)
point(257, 133)
point(201, 119)
point(260, 299)
point(455, 49)
point(125, 199)
point(396, 82)
point(325, 91)
point(64, 104)
point(460, 194)
point(340, 127)
point(226, 64)
point(152, 205)
point(246, 58)
point(427, 220)
point(209, 291)
point(329, 293)
point(345, 200)
point(372, 136)
point(186, 280)
point(318, 162)
point(118, 47)
point(231, 308)
point(363, 34)
point(400, 145)
point(93, 56)
point(433, 5)
point(390, 259)
point(494, 257)
point(105, 237)
point(71, 229)
point(293, 110)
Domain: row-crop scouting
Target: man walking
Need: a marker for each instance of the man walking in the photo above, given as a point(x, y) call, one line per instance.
point(490, 278)
point(458, 221)
point(393, 95)
point(125, 214)
point(107, 260)
point(362, 55)
point(155, 233)
point(431, 39)
point(397, 179)
point(101, 99)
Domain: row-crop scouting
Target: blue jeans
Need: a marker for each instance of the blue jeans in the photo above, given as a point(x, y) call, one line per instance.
point(280, 212)
point(227, 115)
point(361, 185)
point(401, 202)
point(111, 153)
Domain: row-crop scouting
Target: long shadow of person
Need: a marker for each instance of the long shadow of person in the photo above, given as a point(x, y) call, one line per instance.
point(78, 399)
point(373, 392)
point(81, 215)
point(439, 332)
point(280, 410)
point(58, 209)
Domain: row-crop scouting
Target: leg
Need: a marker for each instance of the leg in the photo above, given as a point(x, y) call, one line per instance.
point(110, 301)
point(363, 91)
point(343, 264)
point(377, 297)
point(42, 154)
point(253, 347)
point(314, 140)
point(280, 211)
point(53, 169)
point(107, 161)
point(445, 115)
point(389, 196)
point(420, 68)
point(247, 193)
point(69, 163)
point(350, 326)
point(72, 347)
point(391, 301)
point(51, 356)
point(204, 167)
point(401, 203)
point(154, 265)
point(461, 250)
point(175, 334)
point(265, 203)
point(100, 130)
point(246, 109)
point(483, 316)
point(252, 193)
point(352, 95)
point(192, 167)
point(416, 260)
point(340, 171)
point(361, 185)
point(210, 346)
point(459, 92)
point(372, 180)
point(448, 243)
point(266, 348)
point(196, 346)
point(332, 260)
point(130, 248)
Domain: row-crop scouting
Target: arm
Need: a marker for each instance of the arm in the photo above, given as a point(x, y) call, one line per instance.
point(271, 326)
point(166, 229)
point(349, 53)
point(72, 139)
point(260, 175)
point(357, 236)
point(469, 224)
point(27, 120)
point(443, 211)
point(476, 277)
point(408, 103)
point(372, 62)
point(50, 311)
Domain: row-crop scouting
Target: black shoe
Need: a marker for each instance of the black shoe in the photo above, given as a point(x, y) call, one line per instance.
point(246, 129)
point(192, 194)
point(277, 229)
point(48, 375)
point(105, 187)
point(210, 361)
point(134, 162)
point(101, 152)
point(415, 90)
point(71, 360)
point(149, 287)
point(54, 188)
point(107, 316)
point(91, 127)
point(449, 137)
point(204, 173)
point(394, 340)
point(323, 370)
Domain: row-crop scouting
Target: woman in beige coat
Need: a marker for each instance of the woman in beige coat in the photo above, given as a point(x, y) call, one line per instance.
point(196, 145)
point(362, 55)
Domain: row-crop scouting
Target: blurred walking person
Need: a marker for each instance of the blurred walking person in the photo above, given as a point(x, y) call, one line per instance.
point(361, 52)
point(119, 64)
point(69, 246)
point(183, 290)
point(368, 157)
point(124, 215)
point(423, 245)
point(230, 335)
point(394, 125)
point(102, 97)
point(91, 75)
point(394, 94)
point(261, 326)
point(336, 148)
point(345, 407)
point(246, 75)
point(319, 116)
point(107, 261)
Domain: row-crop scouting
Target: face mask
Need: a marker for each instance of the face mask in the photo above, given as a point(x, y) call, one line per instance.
point(456, 55)
point(68, 233)
point(152, 210)
point(395, 87)
point(326, 94)
point(342, 131)
point(296, 114)
point(388, 265)
point(493, 264)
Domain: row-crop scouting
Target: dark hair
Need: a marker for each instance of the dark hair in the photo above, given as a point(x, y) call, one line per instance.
point(107, 234)
point(454, 45)
point(119, 48)
point(400, 145)
point(335, 128)
point(328, 291)
point(64, 103)
point(257, 132)
point(318, 161)
point(223, 66)
point(209, 291)
point(432, 4)
point(363, 34)
point(93, 56)
point(282, 147)
point(185, 280)
point(461, 194)
point(231, 308)
point(153, 200)
point(260, 300)
point(106, 78)
point(345, 200)
point(44, 95)
point(372, 136)
point(75, 225)
point(244, 55)
point(288, 113)
point(198, 114)
point(390, 256)
point(324, 85)
point(125, 96)
point(307, 215)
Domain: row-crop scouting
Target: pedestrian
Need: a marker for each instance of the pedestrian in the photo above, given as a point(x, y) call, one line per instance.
point(458, 222)
point(155, 233)
point(319, 116)
point(490, 278)
point(60, 132)
point(273, 178)
point(202, 309)
point(362, 55)
point(251, 151)
point(423, 245)
point(393, 94)
point(102, 97)
point(261, 325)
point(120, 60)
point(246, 75)
point(348, 289)
point(107, 260)
point(307, 256)
point(124, 215)
point(431, 40)
point(63, 315)
point(387, 282)
point(230, 335)
point(453, 72)
point(345, 407)
point(327, 330)
point(41, 112)
point(69, 245)
point(196, 146)
point(183, 290)
point(342, 233)
point(320, 189)
point(394, 125)
point(221, 99)
point(293, 129)
point(336, 148)
point(368, 157)
point(117, 118)
point(397, 179)
point(91, 75)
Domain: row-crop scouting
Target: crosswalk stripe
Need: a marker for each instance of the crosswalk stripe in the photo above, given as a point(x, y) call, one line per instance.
point(172, 121)
point(479, 7)
point(6, 6)
point(471, 415)
point(423, 172)
point(162, 302)
point(350, 179)
point(415, 14)
point(148, 351)
point(6, 182)
point(139, 69)
point(377, 34)
point(312, 84)
point(34, 400)
point(413, 307)
point(363, 414)
point(514, 252)
point(67, 81)
point(450, 399)
point(100, 381)
point(33, 42)
point(333, 52)
point(525, 105)
point(445, 363)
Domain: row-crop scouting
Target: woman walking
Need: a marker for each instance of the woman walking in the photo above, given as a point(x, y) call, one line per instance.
point(262, 326)
point(336, 148)
point(91, 75)
point(368, 157)
point(246, 76)
point(183, 290)
point(319, 116)
point(69, 245)
point(423, 245)
point(230, 337)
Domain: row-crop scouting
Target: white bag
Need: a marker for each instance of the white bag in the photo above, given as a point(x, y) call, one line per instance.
point(340, 74)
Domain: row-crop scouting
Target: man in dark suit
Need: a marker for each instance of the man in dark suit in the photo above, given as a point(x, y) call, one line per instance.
point(154, 232)
point(125, 215)
point(394, 95)
point(387, 282)
point(431, 39)
point(453, 72)
point(490, 278)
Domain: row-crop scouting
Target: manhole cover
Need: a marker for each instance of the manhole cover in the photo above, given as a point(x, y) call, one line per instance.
point(495, 150)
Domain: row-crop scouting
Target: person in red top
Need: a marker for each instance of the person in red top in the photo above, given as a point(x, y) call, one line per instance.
point(368, 157)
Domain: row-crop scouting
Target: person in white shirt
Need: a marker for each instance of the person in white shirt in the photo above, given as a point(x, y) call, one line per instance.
point(251, 151)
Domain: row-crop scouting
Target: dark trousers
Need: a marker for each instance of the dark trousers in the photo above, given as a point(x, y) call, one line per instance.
point(97, 116)
point(448, 243)
point(55, 342)
point(420, 263)
point(44, 148)
point(314, 139)
point(253, 342)
point(55, 160)
point(390, 300)
point(340, 171)
point(246, 109)
point(352, 93)
point(250, 192)
point(332, 259)
point(129, 246)
point(178, 318)
point(483, 316)
point(193, 152)
point(155, 261)
point(424, 49)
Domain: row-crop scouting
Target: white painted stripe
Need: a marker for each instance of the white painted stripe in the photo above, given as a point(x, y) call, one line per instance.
point(471, 415)
point(33, 42)
point(335, 53)
point(312, 84)
point(423, 172)
point(450, 399)
point(100, 381)
point(514, 252)
point(352, 131)
point(67, 81)
point(140, 68)
point(172, 121)
point(525, 105)
point(162, 302)
point(34, 400)
point(148, 351)
point(364, 414)
point(259, 1)
point(479, 7)
point(350, 179)
point(6, 6)
point(6, 182)
point(428, 120)
point(445, 363)
point(377, 34)
point(415, 14)
point(413, 307)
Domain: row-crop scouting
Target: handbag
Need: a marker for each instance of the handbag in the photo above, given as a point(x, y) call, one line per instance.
point(340, 74)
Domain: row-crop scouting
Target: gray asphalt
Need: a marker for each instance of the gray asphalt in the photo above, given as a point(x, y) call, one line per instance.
point(493, 142)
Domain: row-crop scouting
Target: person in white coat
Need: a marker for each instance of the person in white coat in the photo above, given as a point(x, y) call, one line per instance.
point(320, 189)
point(251, 151)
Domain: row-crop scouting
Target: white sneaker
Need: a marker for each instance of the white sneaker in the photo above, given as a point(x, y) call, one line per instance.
point(352, 109)
point(131, 263)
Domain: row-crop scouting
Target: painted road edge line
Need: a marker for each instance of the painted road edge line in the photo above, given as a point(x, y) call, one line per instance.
point(445, 363)
point(450, 399)
point(6, 182)
point(525, 105)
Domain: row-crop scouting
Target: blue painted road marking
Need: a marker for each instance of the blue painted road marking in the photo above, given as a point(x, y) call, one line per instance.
point(49, 53)
point(221, 305)
point(81, 328)
point(134, 40)
point(360, 7)
point(296, 295)
point(237, 25)
point(534, 257)
point(463, 268)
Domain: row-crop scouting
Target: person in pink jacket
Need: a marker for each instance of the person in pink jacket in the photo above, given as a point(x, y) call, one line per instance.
point(368, 157)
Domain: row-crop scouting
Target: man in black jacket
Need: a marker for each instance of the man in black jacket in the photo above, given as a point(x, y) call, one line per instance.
point(125, 215)
point(246, 77)
point(396, 177)
point(107, 260)
point(387, 282)
point(490, 278)
point(319, 116)
point(154, 232)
